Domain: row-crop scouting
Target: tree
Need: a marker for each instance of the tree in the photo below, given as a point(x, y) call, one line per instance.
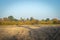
point(21, 19)
point(31, 18)
point(47, 19)
point(55, 21)
point(27, 19)
point(11, 18)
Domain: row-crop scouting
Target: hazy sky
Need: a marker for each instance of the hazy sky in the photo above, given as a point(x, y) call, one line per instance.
point(38, 9)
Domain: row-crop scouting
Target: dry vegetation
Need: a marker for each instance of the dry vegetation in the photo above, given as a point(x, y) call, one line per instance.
point(10, 20)
point(29, 32)
point(29, 29)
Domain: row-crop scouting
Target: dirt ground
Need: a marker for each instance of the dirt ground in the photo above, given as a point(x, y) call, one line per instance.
point(29, 32)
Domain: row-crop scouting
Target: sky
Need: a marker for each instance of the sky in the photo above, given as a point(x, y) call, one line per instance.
point(39, 9)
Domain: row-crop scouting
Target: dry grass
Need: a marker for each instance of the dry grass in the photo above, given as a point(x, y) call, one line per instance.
point(29, 32)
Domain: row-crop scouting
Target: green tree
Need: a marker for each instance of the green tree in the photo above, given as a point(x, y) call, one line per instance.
point(11, 18)
point(31, 18)
point(47, 19)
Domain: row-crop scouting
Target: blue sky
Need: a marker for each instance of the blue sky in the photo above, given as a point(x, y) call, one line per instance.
point(39, 9)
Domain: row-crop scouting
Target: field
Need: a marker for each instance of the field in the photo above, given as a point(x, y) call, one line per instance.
point(29, 32)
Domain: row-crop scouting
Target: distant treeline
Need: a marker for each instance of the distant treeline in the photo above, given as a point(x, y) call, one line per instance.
point(10, 20)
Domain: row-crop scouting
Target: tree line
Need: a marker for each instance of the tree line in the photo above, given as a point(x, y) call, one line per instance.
point(10, 20)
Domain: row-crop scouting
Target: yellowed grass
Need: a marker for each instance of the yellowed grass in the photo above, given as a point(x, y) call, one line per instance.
point(20, 32)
